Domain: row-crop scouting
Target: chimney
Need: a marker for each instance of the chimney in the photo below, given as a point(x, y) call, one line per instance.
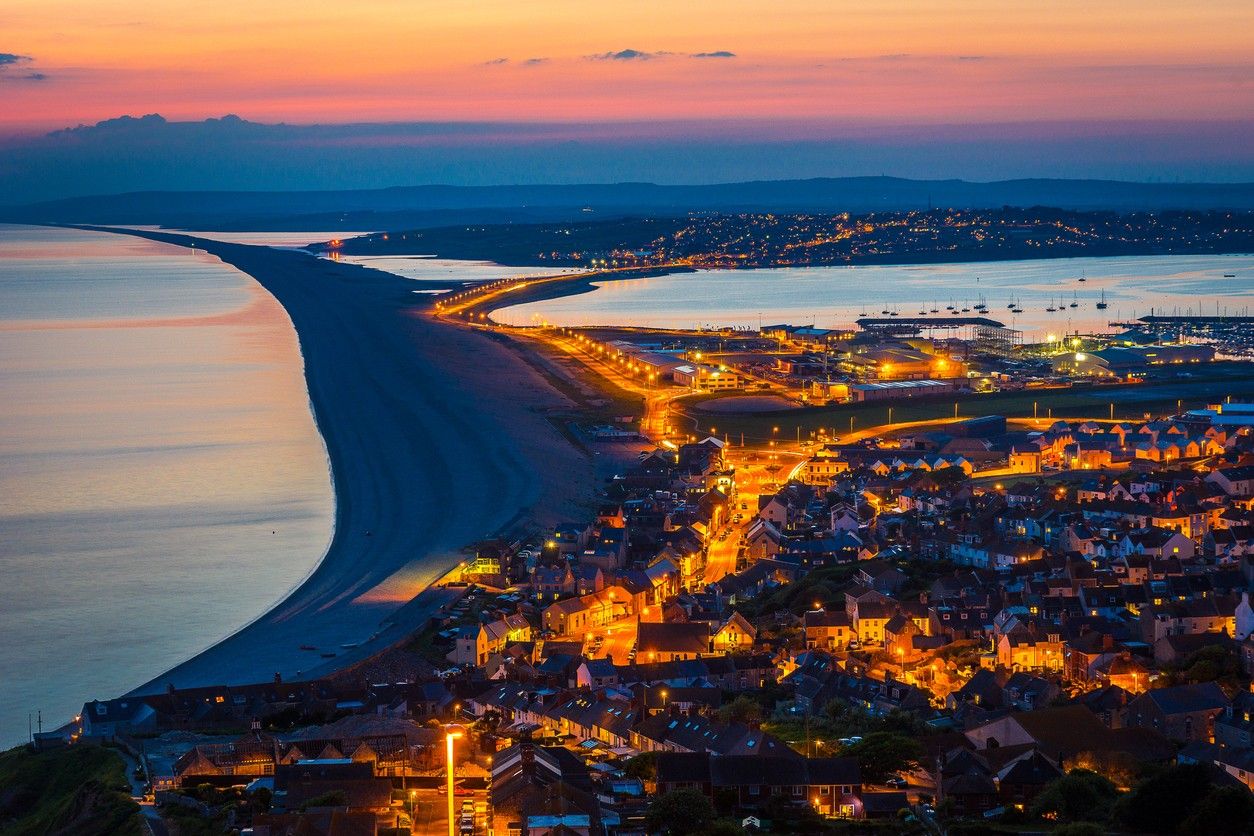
point(255, 725)
point(1108, 641)
point(278, 678)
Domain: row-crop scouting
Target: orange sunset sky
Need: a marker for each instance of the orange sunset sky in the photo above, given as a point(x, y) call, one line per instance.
point(64, 62)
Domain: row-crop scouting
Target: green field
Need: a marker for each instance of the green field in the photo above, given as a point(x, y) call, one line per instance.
point(1131, 402)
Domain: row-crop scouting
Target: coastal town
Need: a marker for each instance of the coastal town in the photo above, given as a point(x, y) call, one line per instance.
point(778, 616)
point(626, 419)
point(776, 239)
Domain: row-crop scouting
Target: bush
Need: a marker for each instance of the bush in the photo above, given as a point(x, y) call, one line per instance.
point(680, 813)
point(1078, 796)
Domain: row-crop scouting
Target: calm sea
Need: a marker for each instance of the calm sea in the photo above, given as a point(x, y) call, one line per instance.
point(836, 296)
point(161, 478)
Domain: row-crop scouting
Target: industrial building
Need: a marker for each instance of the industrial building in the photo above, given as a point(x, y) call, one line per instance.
point(707, 378)
point(897, 389)
point(1122, 361)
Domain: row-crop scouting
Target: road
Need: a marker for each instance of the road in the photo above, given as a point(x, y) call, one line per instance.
point(655, 420)
point(152, 816)
point(617, 641)
point(758, 472)
point(431, 811)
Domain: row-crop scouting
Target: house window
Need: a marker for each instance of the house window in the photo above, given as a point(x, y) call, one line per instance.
point(846, 811)
point(828, 790)
point(754, 789)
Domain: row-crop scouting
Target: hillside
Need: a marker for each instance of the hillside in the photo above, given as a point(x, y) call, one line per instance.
point(435, 205)
point(79, 791)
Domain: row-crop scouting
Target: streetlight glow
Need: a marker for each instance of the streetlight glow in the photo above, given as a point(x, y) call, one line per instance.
point(451, 733)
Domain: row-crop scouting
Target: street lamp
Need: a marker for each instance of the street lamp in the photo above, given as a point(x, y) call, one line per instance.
point(451, 733)
point(412, 795)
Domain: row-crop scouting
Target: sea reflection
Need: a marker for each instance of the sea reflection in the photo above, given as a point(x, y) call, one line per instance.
point(161, 479)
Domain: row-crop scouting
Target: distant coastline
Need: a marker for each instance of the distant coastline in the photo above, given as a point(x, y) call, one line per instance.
point(750, 240)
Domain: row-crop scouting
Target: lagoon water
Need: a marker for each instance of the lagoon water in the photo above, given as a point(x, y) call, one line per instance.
point(162, 481)
point(422, 268)
point(832, 297)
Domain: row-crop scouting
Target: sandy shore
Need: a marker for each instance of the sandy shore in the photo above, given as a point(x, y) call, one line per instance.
point(436, 437)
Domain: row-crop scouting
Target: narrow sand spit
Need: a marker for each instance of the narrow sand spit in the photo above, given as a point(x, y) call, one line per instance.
point(436, 436)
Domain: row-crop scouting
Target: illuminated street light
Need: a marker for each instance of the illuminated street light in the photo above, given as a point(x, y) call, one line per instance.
point(451, 733)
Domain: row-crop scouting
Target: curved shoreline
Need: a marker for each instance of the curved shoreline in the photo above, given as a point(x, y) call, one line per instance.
point(436, 438)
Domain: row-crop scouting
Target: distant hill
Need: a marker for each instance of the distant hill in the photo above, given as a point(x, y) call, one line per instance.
point(430, 206)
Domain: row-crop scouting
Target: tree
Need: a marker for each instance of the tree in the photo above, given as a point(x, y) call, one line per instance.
point(1163, 801)
point(1122, 769)
point(642, 766)
point(1214, 663)
point(903, 722)
point(882, 755)
point(680, 813)
point(837, 710)
point(743, 709)
point(1225, 811)
point(1080, 795)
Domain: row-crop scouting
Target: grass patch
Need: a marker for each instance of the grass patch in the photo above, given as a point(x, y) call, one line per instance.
point(1131, 402)
point(79, 790)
